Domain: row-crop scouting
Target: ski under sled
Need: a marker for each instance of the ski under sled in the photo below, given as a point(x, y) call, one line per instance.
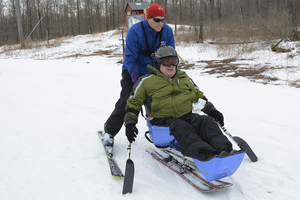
point(217, 167)
point(186, 169)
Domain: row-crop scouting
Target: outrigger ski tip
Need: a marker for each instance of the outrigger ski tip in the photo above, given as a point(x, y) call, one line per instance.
point(129, 173)
point(242, 144)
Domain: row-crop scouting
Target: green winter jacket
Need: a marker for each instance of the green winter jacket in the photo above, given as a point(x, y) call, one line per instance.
point(164, 97)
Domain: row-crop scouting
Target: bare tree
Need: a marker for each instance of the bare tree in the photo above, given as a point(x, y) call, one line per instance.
point(2, 23)
point(39, 13)
point(219, 10)
point(19, 23)
point(98, 15)
point(212, 9)
point(175, 11)
point(106, 12)
point(201, 12)
point(78, 15)
point(113, 14)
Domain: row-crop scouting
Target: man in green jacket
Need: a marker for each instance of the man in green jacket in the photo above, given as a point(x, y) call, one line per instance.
point(168, 94)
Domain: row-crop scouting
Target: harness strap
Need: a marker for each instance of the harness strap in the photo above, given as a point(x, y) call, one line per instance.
point(149, 51)
point(144, 31)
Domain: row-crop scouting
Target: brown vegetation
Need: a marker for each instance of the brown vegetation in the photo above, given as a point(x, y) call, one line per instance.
point(230, 68)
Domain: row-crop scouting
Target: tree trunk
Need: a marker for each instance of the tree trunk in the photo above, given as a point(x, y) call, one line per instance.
point(78, 16)
point(19, 23)
point(106, 14)
point(201, 21)
point(212, 9)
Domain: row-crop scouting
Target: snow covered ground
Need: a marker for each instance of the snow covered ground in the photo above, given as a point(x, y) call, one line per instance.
point(53, 103)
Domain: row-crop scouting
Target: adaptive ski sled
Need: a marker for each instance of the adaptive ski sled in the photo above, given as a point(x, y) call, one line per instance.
point(207, 172)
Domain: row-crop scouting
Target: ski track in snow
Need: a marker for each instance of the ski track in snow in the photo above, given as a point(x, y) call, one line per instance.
point(51, 110)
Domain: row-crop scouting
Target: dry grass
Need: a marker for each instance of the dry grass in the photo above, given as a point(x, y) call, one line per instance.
point(229, 50)
point(109, 53)
point(186, 37)
point(295, 83)
point(186, 34)
point(118, 31)
point(34, 45)
point(39, 44)
point(9, 48)
point(230, 68)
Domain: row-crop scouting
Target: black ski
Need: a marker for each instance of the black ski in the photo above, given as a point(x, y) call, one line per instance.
point(114, 168)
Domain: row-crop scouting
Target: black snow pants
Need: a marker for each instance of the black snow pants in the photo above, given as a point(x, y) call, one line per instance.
point(115, 121)
point(199, 136)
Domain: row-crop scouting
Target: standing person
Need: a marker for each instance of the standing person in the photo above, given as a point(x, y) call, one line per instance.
point(169, 94)
point(141, 41)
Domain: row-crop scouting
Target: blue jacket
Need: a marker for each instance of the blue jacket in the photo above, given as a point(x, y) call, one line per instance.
point(136, 63)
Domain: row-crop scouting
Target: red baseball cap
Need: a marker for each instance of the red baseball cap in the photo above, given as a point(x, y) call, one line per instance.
point(155, 10)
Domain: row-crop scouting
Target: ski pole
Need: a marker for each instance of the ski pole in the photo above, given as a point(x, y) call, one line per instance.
point(181, 58)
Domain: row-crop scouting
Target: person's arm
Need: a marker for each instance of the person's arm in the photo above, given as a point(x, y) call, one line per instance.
point(134, 103)
point(131, 50)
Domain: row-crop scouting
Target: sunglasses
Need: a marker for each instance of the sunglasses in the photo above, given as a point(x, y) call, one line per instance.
point(170, 61)
point(159, 20)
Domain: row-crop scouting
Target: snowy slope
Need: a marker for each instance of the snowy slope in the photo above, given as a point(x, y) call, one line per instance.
point(51, 110)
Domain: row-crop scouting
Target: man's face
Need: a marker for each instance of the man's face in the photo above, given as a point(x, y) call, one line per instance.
point(156, 25)
point(168, 71)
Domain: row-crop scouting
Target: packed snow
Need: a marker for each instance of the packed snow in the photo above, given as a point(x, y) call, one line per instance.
point(54, 99)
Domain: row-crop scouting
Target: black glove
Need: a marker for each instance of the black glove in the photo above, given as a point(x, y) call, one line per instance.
point(131, 132)
point(217, 116)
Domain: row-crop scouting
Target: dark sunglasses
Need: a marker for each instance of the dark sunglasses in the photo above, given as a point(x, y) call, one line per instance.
point(170, 61)
point(159, 20)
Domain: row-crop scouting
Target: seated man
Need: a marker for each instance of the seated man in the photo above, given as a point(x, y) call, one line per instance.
point(168, 94)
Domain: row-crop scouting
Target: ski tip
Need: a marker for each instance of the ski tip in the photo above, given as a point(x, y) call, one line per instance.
point(119, 175)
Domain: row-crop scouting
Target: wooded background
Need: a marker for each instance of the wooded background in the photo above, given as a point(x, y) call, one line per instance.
point(235, 20)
